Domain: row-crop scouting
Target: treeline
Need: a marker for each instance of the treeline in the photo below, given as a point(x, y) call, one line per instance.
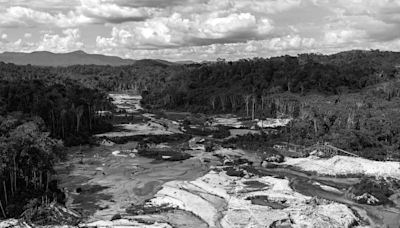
point(144, 75)
point(27, 155)
point(349, 99)
point(307, 87)
point(366, 123)
point(40, 112)
point(68, 109)
point(233, 86)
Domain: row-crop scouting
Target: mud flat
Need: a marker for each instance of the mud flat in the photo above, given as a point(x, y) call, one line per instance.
point(110, 183)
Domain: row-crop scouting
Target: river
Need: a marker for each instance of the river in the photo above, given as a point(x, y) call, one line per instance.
point(114, 181)
point(310, 184)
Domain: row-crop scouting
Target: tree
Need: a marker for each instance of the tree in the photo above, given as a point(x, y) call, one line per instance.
point(246, 98)
point(78, 113)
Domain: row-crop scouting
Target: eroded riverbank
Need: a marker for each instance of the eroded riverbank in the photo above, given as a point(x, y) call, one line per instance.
point(223, 187)
point(177, 184)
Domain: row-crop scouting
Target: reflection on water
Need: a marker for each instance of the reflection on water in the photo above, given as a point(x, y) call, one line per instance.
point(382, 215)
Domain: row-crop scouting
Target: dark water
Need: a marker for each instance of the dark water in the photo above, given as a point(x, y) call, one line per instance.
point(310, 185)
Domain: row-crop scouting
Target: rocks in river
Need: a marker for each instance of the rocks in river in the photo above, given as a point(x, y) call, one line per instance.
point(116, 217)
point(269, 165)
point(106, 142)
point(235, 161)
point(9, 223)
point(263, 200)
point(367, 199)
point(234, 172)
point(167, 154)
point(283, 223)
point(318, 153)
point(277, 158)
point(197, 143)
point(209, 146)
point(270, 162)
point(124, 223)
point(373, 191)
point(243, 162)
point(228, 162)
point(200, 143)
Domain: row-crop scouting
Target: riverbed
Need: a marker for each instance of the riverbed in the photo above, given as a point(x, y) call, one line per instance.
point(110, 179)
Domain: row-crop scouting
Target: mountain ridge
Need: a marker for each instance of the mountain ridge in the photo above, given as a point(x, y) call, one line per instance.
point(78, 57)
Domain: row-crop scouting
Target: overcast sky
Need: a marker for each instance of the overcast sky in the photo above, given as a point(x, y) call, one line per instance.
point(199, 29)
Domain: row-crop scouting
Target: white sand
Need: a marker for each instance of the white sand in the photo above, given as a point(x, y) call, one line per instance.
point(124, 223)
point(149, 128)
point(343, 165)
point(227, 121)
point(129, 103)
point(273, 123)
point(204, 195)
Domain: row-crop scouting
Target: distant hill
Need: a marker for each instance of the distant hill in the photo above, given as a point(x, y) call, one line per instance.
point(154, 62)
point(186, 62)
point(45, 58)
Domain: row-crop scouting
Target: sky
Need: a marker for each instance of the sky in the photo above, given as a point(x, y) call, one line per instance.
point(199, 29)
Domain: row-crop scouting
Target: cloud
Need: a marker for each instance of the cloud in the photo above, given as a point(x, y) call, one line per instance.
point(158, 3)
point(69, 41)
point(201, 29)
point(48, 13)
point(111, 12)
point(290, 44)
point(179, 30)
point(18, 16)
point(27, 35)
point(42, 5)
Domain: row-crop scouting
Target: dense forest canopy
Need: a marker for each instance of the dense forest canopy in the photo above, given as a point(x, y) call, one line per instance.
point(349, 99)
point(40, 112)
point(220, 86)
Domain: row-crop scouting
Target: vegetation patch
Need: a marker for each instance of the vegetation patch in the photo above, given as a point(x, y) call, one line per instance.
point(148, 209)
point(374, 191)
point(254, 142)
point(49, 214)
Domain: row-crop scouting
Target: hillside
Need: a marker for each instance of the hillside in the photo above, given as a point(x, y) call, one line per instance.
point(44, 58)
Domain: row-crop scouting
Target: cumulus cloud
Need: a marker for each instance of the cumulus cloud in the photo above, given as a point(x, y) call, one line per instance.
point(71, 14)
point(108, 11)
point(69, 41)
point(18, 16)
point(42, 5)
point(27, 35)
point(290, 44)
point(202, 29)
point(179, 30)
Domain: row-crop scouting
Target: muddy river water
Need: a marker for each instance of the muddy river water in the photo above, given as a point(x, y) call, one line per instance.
point(101, 184)
point(309, 184)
